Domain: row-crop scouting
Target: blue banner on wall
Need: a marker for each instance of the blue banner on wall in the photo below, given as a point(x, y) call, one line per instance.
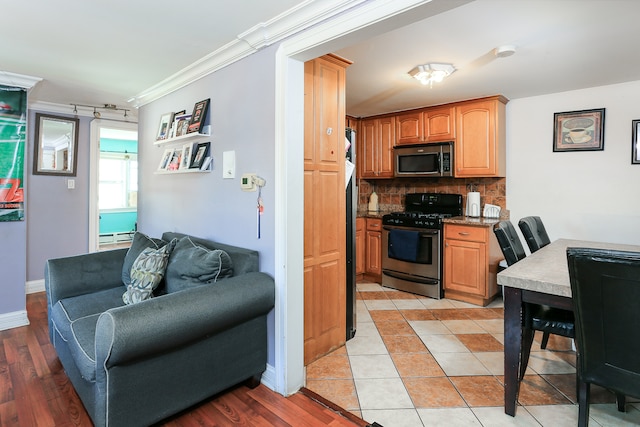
point(13, 119)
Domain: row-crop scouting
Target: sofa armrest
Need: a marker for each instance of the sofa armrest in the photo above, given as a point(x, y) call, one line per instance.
point(171, 321)
point(82, 274)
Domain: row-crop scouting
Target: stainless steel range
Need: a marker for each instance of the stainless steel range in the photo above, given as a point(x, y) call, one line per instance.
point(412, 243)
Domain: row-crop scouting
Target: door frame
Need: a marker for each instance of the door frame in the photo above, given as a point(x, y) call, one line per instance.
point(364, 21)
point(94, 170)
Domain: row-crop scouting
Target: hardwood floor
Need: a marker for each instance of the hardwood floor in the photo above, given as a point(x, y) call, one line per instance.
point(35, 391)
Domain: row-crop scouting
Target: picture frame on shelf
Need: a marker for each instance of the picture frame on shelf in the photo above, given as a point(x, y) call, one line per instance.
point(164, 127)
point(579, 130)
point(635, 152)
point(176, 158)
point(199, 115)
point(185, 163)
point(181, 123)
point(164, 160)
point(200, 152)
point(172, 125)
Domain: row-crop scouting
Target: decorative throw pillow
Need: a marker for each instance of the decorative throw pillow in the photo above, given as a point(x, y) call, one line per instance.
point(192, 265)
point(139, 243)
point(146, 273)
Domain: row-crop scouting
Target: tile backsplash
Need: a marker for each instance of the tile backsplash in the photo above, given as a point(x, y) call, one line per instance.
point(391, 192)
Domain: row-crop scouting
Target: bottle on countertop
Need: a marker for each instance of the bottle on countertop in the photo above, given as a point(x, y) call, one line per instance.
point(373, 202)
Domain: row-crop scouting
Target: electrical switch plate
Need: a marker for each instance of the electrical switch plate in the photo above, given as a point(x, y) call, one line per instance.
point(228, 164)
point(71, 184)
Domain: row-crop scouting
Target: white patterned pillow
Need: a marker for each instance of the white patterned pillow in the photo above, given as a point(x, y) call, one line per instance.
point(146, 273)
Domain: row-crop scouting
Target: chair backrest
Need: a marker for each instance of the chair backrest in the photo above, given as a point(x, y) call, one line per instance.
point(605, 288)
point(534, 232)
point(509, 242)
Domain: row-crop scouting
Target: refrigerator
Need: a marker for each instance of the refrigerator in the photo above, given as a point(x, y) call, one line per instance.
point(352, 207)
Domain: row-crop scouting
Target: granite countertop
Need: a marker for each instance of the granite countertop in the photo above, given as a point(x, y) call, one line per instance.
point(546, 269)
point(467, 220)
point(363, 213)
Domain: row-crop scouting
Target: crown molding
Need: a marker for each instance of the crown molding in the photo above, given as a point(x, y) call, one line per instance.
point(294, 20)
point(18, 80)
point(67, 109)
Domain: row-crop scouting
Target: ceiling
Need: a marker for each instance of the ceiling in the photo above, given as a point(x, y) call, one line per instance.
point(120, 48)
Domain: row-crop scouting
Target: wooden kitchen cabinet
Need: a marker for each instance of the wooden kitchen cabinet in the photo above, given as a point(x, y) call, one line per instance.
point(439, 124)
point(324, 206)
point(373, 242)
point(375, 154)
point(426, 125)
point(360, 247)
point(480, 138)
point(410, 128)
point(471, 257)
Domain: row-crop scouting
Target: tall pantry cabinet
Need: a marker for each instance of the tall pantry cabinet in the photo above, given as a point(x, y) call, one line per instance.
point(324, 206)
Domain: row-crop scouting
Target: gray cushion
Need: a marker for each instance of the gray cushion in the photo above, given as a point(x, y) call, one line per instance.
point(147, 272)
point(192, 265)
point(139, 243)
point(75, 320)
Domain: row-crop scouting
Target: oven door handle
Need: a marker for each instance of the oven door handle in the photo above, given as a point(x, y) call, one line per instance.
point(422, 232)
point(410, 277)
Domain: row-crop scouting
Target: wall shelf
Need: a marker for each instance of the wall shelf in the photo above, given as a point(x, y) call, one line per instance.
point(182, 138)
point(180, 171)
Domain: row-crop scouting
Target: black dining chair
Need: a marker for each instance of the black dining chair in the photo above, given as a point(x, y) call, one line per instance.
point(534, 232)
point(536, 237)
point(605, 288)
point(535, 317)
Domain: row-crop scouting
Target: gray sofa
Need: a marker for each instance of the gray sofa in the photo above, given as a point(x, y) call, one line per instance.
point(133, 365)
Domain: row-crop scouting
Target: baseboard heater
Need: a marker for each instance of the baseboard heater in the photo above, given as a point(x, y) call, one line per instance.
point(125, 236)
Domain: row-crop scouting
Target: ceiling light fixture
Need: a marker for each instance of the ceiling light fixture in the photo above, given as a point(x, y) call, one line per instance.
point(96, 113)
point(504, 51)
point(427, 74)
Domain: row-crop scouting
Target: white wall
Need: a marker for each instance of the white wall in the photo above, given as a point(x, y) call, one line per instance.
point(580, 195)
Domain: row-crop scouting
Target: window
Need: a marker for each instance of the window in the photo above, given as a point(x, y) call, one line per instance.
point(118, 181)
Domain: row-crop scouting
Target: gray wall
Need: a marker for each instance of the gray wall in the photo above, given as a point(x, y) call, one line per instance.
point(57, 218)
point(13, 265)
point(242, 119)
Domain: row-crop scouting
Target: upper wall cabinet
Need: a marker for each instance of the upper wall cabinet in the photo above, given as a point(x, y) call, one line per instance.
point(439, 124)
point(480, 138)
point(477, 128)
point(375, 150)
point(427, 125)
point(410, 128)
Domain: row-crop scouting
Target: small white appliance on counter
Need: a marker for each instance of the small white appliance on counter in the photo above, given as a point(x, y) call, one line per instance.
point(491, 211)
point(473, 204)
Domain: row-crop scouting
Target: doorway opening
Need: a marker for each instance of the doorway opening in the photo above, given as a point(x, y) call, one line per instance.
point(114, 184)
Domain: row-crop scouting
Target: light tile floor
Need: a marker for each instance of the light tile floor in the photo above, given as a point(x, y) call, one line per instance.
point(423, 362)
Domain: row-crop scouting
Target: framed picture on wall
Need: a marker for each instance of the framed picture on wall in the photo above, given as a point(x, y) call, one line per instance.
point(579, 130)
point(164, 127)
point(166, 158)
point(186, 156)
point(199, 115)
point(200, 152)
point(635, 153)
point(181, 122)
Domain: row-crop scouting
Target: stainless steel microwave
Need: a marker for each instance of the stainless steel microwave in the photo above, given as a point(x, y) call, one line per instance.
point(428, 160)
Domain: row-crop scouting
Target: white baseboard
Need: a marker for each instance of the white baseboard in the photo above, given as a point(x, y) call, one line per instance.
point(13, 320)
point(34, 286)
point(269, 377)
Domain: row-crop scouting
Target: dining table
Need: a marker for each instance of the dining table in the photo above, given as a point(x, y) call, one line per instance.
point(540, 278)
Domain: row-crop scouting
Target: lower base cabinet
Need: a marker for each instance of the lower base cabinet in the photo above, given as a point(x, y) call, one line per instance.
point(471, 257)
point(373, 245)
point(360, 248)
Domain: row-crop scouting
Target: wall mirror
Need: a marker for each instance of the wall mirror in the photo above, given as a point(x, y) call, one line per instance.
point(55, 145)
